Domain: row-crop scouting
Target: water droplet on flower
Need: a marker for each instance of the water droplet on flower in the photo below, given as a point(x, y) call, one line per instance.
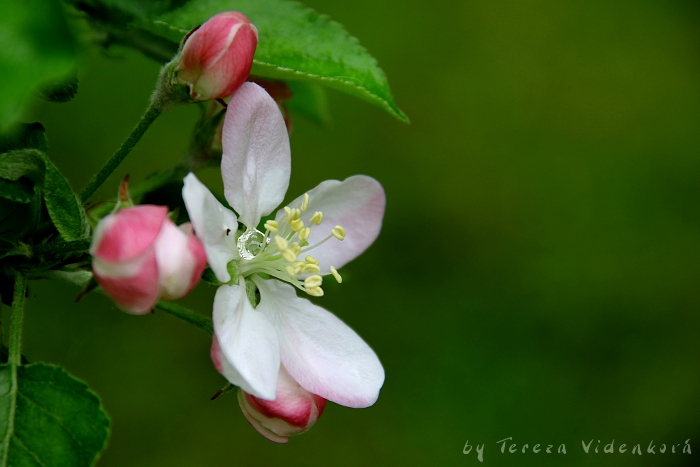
point(250, 243)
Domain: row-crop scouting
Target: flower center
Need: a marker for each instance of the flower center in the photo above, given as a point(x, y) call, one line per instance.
point(250, 243)
point(280, 259)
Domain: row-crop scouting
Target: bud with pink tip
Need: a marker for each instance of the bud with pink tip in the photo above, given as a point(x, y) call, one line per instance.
point(217, 57)
point(140, 256)
point(294, 410)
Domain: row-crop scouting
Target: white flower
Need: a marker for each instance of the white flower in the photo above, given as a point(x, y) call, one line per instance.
point(317, 233)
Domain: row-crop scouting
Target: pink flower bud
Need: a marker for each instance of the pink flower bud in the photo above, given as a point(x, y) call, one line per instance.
point(294, 410)
point(216, 58)
point(181, 260)
point(139, 256)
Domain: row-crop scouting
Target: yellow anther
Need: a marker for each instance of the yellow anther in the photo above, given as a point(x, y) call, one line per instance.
point(315, 291)
point(334, 271)
point(338, 232)
point(289, 255)
point(291, 214)
point(311, 260)
point(296, 248)
point(305, 202)
point(304, 233)
point(298, 267)
point(313, 281)
point(317, 218)
point(312, 268)
point(297, 225)
point(281, 243)
point(290, 271)
point(272, 226)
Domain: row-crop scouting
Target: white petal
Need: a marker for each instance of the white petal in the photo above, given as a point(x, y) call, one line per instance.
point(214, 225)
point(248, 341)
point(256, 160)
point(356, 204)
point(321, 352)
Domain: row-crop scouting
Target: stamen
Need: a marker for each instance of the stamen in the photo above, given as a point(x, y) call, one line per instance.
point(305, 202)
point(311, 260)
point(315, 291)
point(316, 218)
point(313, 281)
point(297, 225)
point(298, 267)
point(289, 255)
point(281, 243)
point(304, 233)
point(312, 268)
point(338, 232)
point(334, 271)
point(291, 214)
point(296, 249)
point(272, 226)
point(290, 270)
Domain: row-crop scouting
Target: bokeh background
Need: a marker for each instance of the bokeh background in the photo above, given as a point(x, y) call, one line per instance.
point(538, 273)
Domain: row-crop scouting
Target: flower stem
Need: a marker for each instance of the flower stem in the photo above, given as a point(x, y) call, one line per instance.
point(153, 111)
point(15, 351)
point(184, 314)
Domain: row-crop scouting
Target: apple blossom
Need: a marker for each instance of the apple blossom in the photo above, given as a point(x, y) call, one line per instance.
point(315, 235)
point(216, 57)
point(139, 256)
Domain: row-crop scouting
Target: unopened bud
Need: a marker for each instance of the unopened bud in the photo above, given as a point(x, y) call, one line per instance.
point(139, 256)
point(294, 410)
point(216, 58)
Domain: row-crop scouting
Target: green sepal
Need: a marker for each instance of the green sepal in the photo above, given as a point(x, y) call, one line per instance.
point(209, 277)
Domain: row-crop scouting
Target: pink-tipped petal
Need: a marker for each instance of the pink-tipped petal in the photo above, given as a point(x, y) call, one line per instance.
point(256, 161)
point(294, 410)
point(248, 342)
point(137, 290)
point(214, 224)
point(318, 350)
point(356, 204)
point(181, 260)
point(197, 252)
point(217, 57)
point(127, 234)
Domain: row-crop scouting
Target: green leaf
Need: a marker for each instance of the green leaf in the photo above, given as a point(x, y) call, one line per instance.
point(64, 208)
point(48, 418)
point(17, 191)
point(60, 90)
point(23, 163)
point(309, 100)
point(37, 45)
point(24, 136)
point(296, 43)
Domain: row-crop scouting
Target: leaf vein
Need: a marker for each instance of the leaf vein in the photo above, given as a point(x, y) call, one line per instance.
point(24, 446)
point(58, 419)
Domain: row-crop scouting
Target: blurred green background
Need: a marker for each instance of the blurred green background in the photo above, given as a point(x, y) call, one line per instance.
point(538, 273)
